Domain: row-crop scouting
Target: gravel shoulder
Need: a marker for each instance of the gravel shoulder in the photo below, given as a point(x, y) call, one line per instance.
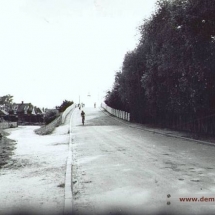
point(33, 180)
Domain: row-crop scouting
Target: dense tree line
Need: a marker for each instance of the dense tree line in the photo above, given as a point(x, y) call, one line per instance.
point(169, 78)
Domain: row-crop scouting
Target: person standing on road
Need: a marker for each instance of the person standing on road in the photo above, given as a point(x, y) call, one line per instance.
point(83, 116)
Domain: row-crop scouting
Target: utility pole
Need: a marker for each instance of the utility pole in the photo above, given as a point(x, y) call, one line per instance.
point(79, 104)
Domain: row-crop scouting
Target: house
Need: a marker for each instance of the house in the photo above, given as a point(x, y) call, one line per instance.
point(26, 113)
point(20, 110)
point(39, 114)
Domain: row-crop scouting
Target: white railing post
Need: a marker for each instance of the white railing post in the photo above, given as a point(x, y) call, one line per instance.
point(118, 113)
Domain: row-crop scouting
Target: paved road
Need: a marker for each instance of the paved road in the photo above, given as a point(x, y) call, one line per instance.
point(127, 170)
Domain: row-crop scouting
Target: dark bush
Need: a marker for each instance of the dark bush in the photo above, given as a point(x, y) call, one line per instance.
point(64, 105)
point(50, 116)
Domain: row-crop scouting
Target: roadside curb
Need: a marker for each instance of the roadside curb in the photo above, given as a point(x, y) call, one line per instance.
point(157, 132)
point(68, 179)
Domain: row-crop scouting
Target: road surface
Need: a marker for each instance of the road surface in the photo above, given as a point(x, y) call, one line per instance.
point(125, 170)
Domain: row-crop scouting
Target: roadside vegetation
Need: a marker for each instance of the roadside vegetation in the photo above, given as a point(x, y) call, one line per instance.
point(49, 128)
point(65, 104)
point(168, 80)
point(6, 148)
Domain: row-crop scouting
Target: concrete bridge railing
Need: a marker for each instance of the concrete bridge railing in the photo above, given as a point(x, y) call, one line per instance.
point(66, 112)
point(118, 113)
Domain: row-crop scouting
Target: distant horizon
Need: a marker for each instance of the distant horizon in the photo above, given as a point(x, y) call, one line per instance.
point(87, 100)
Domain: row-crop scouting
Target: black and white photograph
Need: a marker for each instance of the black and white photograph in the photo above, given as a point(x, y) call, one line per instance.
point(107, 107)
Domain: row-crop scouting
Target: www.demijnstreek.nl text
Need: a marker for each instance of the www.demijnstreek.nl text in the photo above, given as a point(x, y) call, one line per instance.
point(191, 199)
point(202, 199)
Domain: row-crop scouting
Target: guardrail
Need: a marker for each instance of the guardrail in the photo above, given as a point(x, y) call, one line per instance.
point(4, 125)
point(66, 112)
point(118, 113)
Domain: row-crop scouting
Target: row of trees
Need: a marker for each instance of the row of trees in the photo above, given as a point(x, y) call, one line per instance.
point(169, 78)
point(6, 100)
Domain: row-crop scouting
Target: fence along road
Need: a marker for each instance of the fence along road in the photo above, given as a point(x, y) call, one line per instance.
point(118, 113)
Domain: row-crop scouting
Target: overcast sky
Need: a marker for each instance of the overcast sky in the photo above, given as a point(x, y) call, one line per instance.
point(53, 50)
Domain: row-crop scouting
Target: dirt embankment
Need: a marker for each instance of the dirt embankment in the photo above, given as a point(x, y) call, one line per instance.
point(6, 148)
point(48, 129)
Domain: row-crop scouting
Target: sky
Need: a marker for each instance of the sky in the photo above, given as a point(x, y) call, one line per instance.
point(52, 50)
